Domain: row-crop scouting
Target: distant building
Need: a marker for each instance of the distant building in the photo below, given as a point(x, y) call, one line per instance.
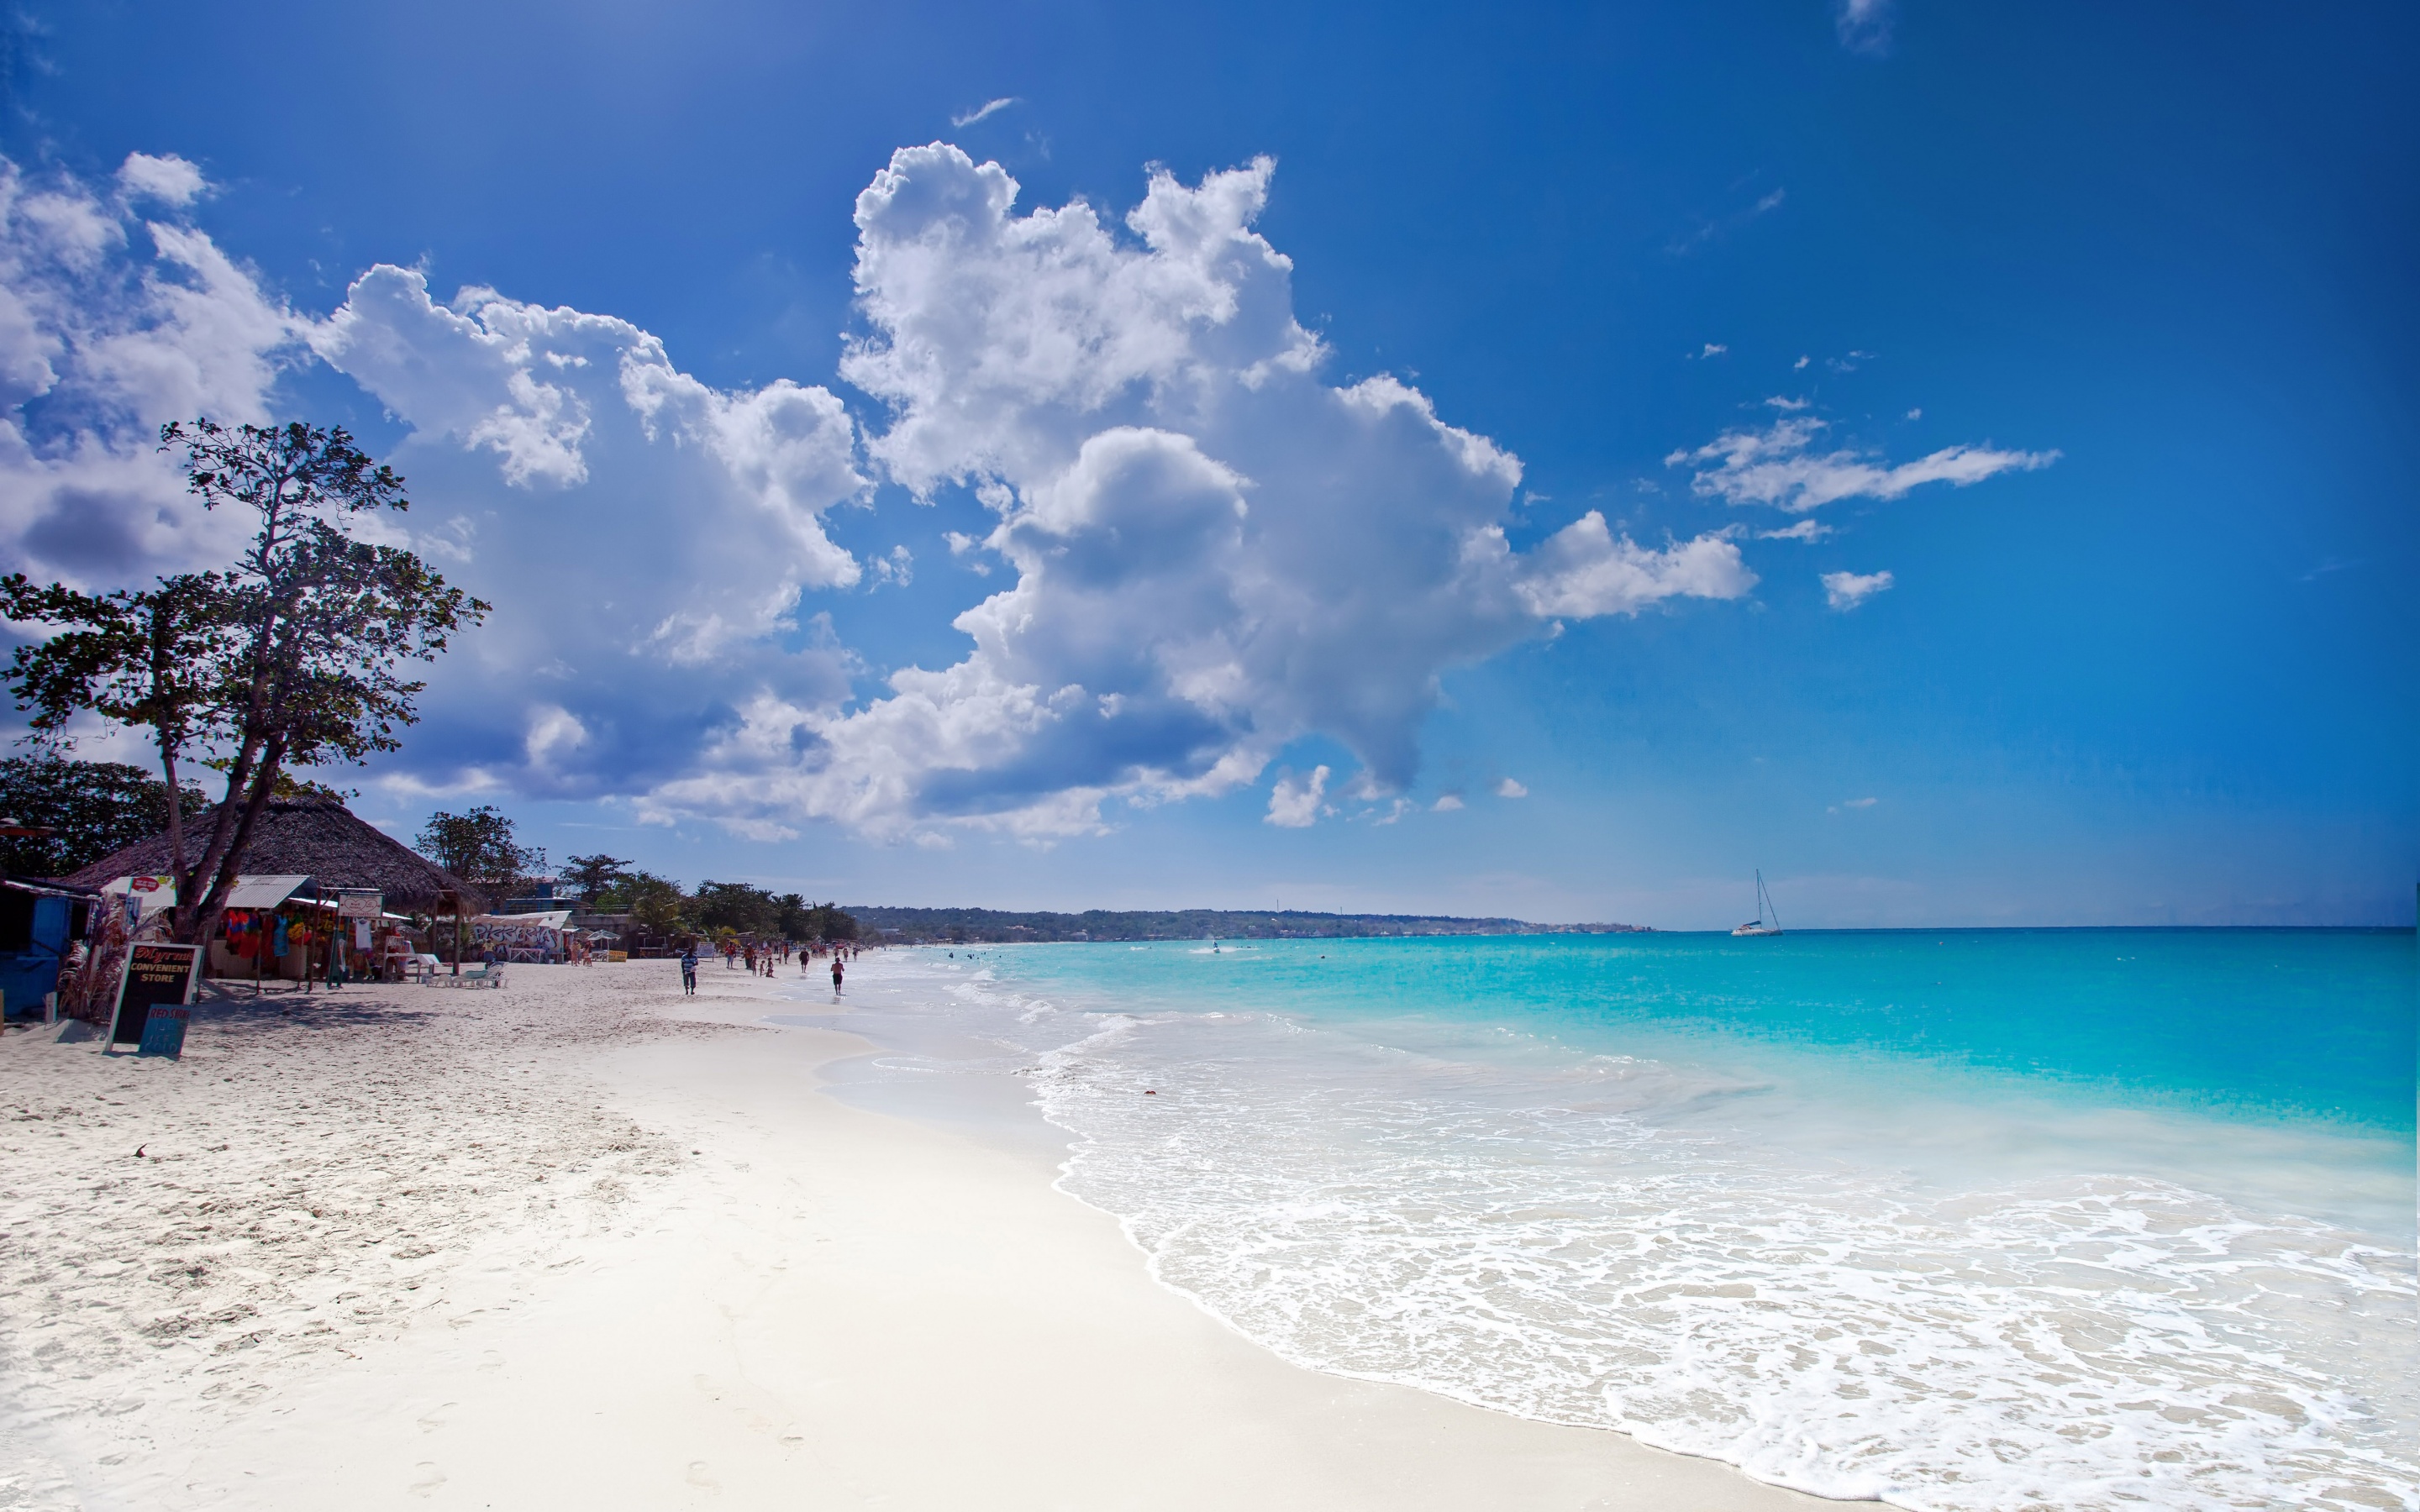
point(547, 895)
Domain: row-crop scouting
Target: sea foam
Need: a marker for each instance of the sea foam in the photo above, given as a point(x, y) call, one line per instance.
point(1721, 1261)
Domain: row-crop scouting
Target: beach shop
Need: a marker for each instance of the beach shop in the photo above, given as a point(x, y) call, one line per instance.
point(276, 927)
point(287, 916)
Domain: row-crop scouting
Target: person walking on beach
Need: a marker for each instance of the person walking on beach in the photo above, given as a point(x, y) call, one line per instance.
point(689, 971)
point(835, 973)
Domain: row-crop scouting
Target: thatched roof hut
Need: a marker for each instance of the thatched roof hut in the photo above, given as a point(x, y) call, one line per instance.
point(318, 838)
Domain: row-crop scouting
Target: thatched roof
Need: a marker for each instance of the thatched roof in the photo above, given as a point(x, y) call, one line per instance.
point(318, 837)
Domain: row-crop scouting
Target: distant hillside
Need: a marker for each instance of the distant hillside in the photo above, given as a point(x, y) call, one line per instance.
point(995, 926)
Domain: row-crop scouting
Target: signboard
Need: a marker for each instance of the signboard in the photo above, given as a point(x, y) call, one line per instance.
point(151, 893)
point(163, 1033)
point(157, 975)
point(360, 902)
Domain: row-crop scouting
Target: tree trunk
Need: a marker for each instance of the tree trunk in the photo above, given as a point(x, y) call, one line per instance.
point(204, 922)
point(180, 876)
point(215, 854)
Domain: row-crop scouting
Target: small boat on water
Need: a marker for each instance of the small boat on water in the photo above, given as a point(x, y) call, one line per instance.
point(1764, 909)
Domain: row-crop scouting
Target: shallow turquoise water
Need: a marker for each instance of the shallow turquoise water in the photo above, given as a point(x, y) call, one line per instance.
point(1976, 1221)
point(2283, 1024)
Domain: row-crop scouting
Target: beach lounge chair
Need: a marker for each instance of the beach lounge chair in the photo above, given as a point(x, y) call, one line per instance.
point(485, 974)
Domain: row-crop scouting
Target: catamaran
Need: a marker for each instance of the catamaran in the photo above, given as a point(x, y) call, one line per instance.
point(1764, 908)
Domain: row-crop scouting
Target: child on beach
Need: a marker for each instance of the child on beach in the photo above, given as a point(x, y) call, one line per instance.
point(689, 971)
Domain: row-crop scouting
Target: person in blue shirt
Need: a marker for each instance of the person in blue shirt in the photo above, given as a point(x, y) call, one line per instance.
point(689, 970)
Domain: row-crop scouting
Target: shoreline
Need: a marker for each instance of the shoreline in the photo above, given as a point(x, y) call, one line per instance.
point(585, 1241)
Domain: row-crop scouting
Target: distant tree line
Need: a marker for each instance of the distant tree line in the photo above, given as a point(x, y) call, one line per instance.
point(996, 926)
point(91, 809)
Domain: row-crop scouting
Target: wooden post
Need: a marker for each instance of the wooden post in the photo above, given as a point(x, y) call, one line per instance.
point(452, 901)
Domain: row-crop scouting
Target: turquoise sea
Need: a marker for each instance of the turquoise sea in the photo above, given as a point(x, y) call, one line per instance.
point(1958, 1219)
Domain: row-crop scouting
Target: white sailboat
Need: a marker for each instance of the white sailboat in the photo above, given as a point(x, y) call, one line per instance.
point(1764, 909)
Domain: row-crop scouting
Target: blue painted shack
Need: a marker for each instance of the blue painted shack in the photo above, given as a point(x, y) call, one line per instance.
point(39, 922)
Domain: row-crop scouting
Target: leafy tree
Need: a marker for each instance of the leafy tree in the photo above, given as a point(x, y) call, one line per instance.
point(824, 922)
point(791, 917)
point(656, 903)
point(734, 906)
point(91, 808)
point(478, 847)
point(293, 656)
point(150, 658)
point(595, 875)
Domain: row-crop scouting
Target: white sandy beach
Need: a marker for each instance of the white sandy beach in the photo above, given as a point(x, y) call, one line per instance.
point(583, 1243)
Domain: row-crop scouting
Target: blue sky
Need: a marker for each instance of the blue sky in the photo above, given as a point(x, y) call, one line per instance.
point(2090, 328)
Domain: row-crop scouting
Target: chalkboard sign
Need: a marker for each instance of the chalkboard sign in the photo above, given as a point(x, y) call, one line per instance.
point(157, 975)
point(163, 1033)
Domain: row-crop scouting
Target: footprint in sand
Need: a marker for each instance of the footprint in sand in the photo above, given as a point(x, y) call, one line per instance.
point(431, 1478)
point(700, 1474)
point(431, 1422)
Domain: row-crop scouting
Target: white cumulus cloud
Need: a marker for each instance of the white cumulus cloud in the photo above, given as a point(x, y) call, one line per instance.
point(1781, 466)
point(111, 326)
point(169, 179)
point(648, 536)
point(1845, 591)
point(1216, 551)
point(1584, 569)
point(1510, 789)
point(1294, 801)
point(647, 539)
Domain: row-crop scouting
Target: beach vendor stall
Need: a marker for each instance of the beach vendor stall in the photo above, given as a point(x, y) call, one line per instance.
point(275, 928)
point(372, 942)
point(326, 853)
